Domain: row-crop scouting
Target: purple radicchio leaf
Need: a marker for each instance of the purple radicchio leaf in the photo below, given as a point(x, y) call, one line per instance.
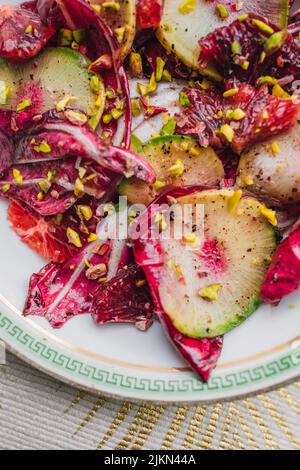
point(61, 291)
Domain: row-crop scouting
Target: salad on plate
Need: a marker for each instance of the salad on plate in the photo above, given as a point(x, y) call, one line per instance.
point(150, 153)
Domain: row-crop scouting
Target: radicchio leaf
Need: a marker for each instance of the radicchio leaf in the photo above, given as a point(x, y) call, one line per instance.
point(124, 299)
point(66, 139)
point(61, 291)
point(101, 41)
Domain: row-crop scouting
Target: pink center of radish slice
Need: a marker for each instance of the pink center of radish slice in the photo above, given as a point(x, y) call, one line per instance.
point(212, 257)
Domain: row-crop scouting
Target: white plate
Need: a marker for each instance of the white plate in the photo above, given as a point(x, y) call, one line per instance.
point(118, 360)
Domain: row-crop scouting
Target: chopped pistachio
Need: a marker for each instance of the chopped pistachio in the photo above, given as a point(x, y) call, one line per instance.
point(262, 26)
point(120, 32)
point(167, 76)
point(65, 37)
point(177, 169)
point(23, 105)
point(112, 5)
point(160, 63)
point(270, 215)
point(222, 11)
point(142, 89)
point(109, 93)
point(160, 220)
point(43, 147)
point(190, 238)
point(275, 148)
point(63, 103)
point(171, 263)
point(243, 17)
point(29, 29)
point(187, 6)
point(76, 117)
point(136, 107)
point(195, 152)
point(135, 64)
point(73, 237)
point(228, 132)
point(238, 114)
point(231, 92)
point(234, 201)
point(278, 91)
point(275, 42)
point(266, 80)
point(279, 169)
point(40, 196)
point(92, 237)
point(169, 127)
point(262, 57)
point(248, 180)
point(84, 211)
point(159, 185)
point(245, 65)
point(5, 188)
point(107, 118)
point(265, 114)
point(45, 185)
point(72, 267)
point(4, 92)
point(79, 35)
point(95, 83)
point(235, 47)
point(219, 114)
point(211, 292)
point(96, 8)
point(184, 99)
point(229, 113)
point(18, 178)
point(117, 113)
point(78, 188)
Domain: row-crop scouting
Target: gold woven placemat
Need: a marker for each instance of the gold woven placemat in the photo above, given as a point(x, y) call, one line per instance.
point(38, 412)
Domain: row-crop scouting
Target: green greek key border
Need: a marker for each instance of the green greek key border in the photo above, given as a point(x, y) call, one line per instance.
point(119, 381)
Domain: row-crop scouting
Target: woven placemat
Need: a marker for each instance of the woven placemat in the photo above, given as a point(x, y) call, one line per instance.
point(38, 412)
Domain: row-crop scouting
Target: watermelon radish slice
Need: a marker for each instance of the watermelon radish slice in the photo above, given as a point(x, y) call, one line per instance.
point(201, 166)
point(180, 33)
point(34, 85)
point(272, 168)
point(22, 33)
point(228, 262)
point(61, 291)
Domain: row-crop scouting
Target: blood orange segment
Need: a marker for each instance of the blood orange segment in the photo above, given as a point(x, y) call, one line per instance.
point(37, 233)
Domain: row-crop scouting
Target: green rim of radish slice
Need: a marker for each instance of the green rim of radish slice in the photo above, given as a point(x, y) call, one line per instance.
point(122, 21)
point(198, 165)
point(180, 32)
point(272, 168)
point(56, 73)
point(210, 289)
